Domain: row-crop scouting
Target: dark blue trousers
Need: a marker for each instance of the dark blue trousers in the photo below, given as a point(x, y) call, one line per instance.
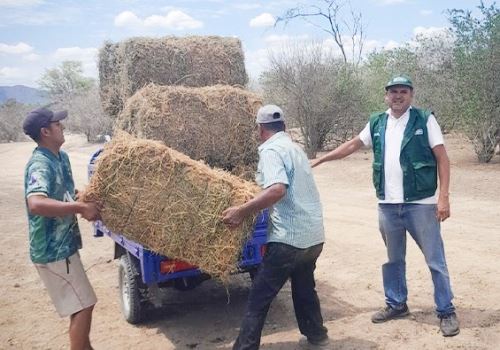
point(280, 263)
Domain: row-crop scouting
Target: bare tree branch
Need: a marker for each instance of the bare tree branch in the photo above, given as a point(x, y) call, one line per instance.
point(328, 17)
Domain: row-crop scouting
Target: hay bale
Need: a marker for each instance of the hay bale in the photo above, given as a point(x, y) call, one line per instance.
point(170, 203)
point(215, 124)
point(194, 61)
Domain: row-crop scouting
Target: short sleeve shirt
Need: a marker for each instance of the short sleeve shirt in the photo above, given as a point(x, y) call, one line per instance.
point(297, 219)
point(51, 238)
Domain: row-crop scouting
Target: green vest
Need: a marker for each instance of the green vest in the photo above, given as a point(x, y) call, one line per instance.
point(416, 158)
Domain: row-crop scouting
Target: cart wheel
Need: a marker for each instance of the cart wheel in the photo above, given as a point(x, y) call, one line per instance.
point(132, 290)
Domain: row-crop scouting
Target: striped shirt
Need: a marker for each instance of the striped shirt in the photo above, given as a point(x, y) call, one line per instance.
point(297, 219)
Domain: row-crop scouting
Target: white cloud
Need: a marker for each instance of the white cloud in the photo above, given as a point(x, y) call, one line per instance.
point(20, 48)
point(426, 12)
point(429, 32)
point(391, 45)
point(88, 57)
point(263, 20)
point(11, 73)
point(126, 19)
point(32, 57)
point(276, 40)
point(174, 19)
point(75, 53)
point(20, 3)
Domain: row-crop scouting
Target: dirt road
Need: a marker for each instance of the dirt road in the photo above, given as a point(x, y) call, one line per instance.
point(348, 273)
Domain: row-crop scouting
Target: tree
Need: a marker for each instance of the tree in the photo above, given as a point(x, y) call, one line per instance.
point(319, 93)
point(87, 116)
point(329, 16)
point(69, 89)
point(12, 114)
point(429, 62)
point(65, 80)
point(477, 59)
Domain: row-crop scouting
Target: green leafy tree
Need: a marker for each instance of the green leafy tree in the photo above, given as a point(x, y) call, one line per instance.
point(70, 89)
point(65, 80)
point(477, 59)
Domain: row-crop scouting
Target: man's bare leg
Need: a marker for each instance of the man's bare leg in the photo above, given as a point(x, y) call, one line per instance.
point(79, 329)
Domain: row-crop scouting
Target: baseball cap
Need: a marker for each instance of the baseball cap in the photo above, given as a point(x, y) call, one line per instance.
point(399, 80)
point(41, 118)
point(270, 114)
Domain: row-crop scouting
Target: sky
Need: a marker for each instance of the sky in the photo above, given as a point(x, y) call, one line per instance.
point(36, 35)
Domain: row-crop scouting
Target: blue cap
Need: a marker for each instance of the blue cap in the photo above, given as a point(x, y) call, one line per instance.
point(41, 118)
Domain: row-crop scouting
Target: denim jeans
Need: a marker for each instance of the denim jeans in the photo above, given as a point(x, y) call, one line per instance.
point(420, 221)
point(281, 262)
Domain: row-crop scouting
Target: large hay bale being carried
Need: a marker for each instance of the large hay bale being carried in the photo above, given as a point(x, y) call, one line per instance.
point(170, 203)
point(194, 61)
point(214, 123)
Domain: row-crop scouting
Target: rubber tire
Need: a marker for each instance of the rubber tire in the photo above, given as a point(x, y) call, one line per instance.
point(132, 290)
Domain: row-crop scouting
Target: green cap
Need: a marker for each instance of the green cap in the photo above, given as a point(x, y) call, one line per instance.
point(399, 80)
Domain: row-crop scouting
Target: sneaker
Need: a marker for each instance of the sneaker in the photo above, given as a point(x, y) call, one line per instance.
point(389, 313)
point(306, 343)
point(449, 325)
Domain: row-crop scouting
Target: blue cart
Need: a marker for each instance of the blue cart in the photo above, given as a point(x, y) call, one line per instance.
point(141, 269)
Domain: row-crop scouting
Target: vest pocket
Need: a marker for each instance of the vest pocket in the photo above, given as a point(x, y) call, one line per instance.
point(425, 176)
point(377, 169)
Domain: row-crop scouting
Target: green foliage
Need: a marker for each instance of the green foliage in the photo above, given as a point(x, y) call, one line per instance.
point(477, 60)
point(67, 79)
point(70, 90)
point(12, 114)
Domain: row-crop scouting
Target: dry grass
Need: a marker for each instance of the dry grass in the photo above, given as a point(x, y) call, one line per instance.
point(215, 124)
point(194, 61)
point(170, 203)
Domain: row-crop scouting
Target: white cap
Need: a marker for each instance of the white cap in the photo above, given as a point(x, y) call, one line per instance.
point(270, 114)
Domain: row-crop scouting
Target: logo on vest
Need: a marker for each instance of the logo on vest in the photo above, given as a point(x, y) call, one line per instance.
point(376, 134)
point(419, 132)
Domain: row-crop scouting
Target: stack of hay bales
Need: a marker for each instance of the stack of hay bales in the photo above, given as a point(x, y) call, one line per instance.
point(179, 91)
point(194, 61)
point(170, 203)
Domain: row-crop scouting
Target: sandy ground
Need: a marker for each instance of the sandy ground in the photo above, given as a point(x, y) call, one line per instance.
point(348, 273)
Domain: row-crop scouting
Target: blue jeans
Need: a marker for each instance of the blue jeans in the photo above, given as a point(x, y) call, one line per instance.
point(421, 223)
point(281, 262)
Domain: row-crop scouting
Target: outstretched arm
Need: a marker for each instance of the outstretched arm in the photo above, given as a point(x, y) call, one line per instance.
point(340, 152)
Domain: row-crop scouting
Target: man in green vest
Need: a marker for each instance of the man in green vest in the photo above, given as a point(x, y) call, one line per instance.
point(409, 157)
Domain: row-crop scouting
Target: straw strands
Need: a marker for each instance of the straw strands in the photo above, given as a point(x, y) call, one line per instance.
point(215, 124)
point(194, 61)
point(170, 203)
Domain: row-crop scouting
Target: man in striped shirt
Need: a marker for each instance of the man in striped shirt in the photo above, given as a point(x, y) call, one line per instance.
point(295, 237)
